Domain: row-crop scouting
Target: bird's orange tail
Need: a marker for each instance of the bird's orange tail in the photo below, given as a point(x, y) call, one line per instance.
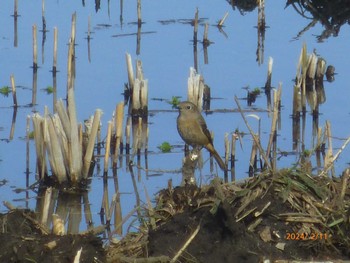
point(217, 157)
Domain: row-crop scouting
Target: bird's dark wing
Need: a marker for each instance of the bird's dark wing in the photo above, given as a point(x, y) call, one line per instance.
point(204, 128)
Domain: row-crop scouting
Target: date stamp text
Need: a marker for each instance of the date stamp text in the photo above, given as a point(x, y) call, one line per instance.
point(306, 236)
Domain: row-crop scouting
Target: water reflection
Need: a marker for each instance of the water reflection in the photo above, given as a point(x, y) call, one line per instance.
point(13, 124)
point(243, 6)
point(34, 85)
point(131, 140)
point(261, 27)
point(332, 15)
point(15, 28)
point(68, 206)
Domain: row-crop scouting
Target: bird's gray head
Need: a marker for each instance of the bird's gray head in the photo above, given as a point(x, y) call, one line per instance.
point(187, 106)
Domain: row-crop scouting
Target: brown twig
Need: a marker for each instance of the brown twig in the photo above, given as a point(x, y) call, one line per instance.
point(255, 138)
point(187, 243)
point(336, 156)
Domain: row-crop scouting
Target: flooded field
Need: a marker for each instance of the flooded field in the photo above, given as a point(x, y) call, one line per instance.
point(239, 52)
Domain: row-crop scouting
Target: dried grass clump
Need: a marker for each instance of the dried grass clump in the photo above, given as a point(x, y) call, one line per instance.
point(279, 207)
point(132, 246)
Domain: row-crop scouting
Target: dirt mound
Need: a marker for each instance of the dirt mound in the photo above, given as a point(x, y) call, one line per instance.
point(23, 240)
point(217, 240)
point(288, 215)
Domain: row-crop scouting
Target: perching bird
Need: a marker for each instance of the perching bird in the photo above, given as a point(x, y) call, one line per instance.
point(193, 130)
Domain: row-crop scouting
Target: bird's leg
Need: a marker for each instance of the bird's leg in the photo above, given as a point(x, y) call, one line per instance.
point(187, 150)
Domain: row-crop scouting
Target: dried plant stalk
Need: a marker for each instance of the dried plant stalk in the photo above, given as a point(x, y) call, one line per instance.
point(39, 145)
point(76, 151)
point(136, 100)
point(13, 88)
point(63, 116)
point(47, 201)
point(187, 243)
point(222, 20)
point(273, 131)
point(195, 88)
point(130, 71)
point(55, 152)
point(108, 146)
point(255, 138)
point(119, 116)
point(144, 94)
point(91, 143)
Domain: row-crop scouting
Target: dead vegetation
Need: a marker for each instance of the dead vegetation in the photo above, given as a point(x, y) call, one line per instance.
point(285, 215)
point(288, 214)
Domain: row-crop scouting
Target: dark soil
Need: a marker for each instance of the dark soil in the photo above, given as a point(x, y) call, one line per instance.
point(288, 216)
point(21, 240)
point(285, 216)
point(222, 239)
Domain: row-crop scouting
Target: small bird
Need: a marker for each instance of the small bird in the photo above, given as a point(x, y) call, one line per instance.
point(193, 130)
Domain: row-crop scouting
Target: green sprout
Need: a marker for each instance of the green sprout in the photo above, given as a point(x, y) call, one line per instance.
point(49, 90)
point(175, 101)
point(256, 92)
point(31, 135)
point(306, 153)
point(165, 147)
point(5, 91)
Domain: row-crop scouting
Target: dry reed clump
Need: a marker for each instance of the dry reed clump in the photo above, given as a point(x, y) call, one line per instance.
point(131, 246)
point(277, 208)
point(308, 204)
